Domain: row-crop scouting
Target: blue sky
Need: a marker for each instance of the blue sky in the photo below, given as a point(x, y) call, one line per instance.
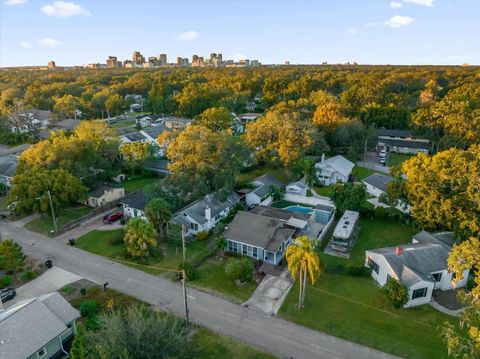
point(304, 31)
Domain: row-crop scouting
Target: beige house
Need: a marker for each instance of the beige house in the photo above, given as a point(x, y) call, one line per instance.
point(103, 195)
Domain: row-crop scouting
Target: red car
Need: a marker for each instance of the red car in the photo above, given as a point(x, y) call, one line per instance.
point(112, 217)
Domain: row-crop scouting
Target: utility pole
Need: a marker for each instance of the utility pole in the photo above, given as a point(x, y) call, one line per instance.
point(365, 155)
point(184, 276)
point(53, 214)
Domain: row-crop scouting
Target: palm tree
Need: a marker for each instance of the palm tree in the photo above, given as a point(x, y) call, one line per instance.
point(159, 214)
point(307, 168)
point(220, 244)
point(302, 259)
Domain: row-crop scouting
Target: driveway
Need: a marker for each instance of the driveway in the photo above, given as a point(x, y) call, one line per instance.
point(274, 335)
point(270, 294)
point(373, 163)
point(50, 281)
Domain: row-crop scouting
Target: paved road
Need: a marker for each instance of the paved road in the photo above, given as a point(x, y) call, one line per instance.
point(271, 334)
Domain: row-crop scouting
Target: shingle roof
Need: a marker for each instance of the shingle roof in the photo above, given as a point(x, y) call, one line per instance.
point(68, 124)
point(8, 169)
point(265, 184)
point(154, 131)
point(260, 231)
point(339, 164)
point(379, 181)
point(137, 200)
point(394, 133)
point(196, 210)
point(135, 136)
point(27, 326)
point(279, 213)
point(418, 260)
point(99, 191)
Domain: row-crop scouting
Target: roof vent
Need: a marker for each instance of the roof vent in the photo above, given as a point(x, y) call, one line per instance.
point(399, 251)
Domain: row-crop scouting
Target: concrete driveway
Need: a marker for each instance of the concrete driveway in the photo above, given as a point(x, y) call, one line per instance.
point(50, 281)
point(270, 294)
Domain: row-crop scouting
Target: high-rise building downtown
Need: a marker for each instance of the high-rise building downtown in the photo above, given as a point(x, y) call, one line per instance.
point(112, 62)
point(138, 58)
point(163, 59)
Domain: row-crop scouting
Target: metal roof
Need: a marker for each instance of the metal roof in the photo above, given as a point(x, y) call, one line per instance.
point(346, 224)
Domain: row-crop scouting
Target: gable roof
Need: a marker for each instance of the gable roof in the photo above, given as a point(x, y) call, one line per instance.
point(196, 210)
point(135, 137)
point(298, 184)
point(257, 230)
point(378, 180)
point(339, 164)
point(68, 124)
point(394, 133)
point(137, 200)
point(29, 325)
point(279, 213)
point(154, 131)
point(418, 260)
point(99, 191)
point(8, 169)
point(265, 184)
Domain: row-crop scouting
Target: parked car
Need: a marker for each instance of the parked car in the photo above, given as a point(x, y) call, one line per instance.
point(112, 217)
point(7, 294)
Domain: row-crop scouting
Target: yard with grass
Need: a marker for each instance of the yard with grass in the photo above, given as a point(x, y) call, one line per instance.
point(354, 308)
point(396, 159)
point(123, 123)
point(325, 191)
point(284, 175)
point(44, 225)
point(136, 183)
point(362, 172)
point(3, 203)
point(210, 270)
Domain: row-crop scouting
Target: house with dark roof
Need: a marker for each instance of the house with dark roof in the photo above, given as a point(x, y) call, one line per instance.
point(334, 169)
point(376, 184)
point(132, 137)
point(37, 328)
point(262, 193)
point(204, 214)
point(151, 134)
point(401, 141)
point(421, 266)
point(7, 171)
point(134, 205)
point(31, 120)
point(103, 195)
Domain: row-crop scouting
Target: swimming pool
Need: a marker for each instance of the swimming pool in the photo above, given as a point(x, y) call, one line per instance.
point(299, 209)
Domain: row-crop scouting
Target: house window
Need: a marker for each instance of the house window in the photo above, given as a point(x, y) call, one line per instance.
point(42, 352)
point(244, 251)
point(373, 266)
point(419, 293)
point(255, 252)
point(437, 276)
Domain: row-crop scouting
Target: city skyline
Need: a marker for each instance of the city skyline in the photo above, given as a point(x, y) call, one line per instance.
point(274, 31)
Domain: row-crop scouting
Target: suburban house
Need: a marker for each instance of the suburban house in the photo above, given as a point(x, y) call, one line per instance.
point(334, 169)
point(299, 188)
point(203, 214)
point(401, 141)
point(177, 122)
point(258, 237)
point(134, 205)
point(421, 266)
point(376, 185)
point(262, 193)
point(132, 138)
point(103, 195)
point(151, 134)
point(157, 165)
point(37, 328)
point(32, 120)
point(7, 170)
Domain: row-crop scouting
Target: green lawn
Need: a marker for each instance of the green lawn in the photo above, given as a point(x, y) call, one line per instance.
point(3, 203)
point(355, 309)
point(123, 123)
point(103, 243)
point(211, 277)
point(326, 191)
point(374, 233)
point(215, 346)
point(284, 175)
point(44, 224)
point(396, 159)
point(136, 183)
point(362, 172)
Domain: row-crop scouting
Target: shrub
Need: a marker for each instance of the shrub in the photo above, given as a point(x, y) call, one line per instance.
point(338, 269)
point(83, 291)
point(92, 323)
point(239, 269)
point(396, 293)
point(28, 275)
point(380, 212)
point(190, 270)
point(358, 271)
point(201, 236)
point(88, 308)
point(68, 289)
point(5, 281)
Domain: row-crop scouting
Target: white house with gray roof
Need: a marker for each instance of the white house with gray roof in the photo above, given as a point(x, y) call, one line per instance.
point(333, 170)
point(262, 193)
point(421, 266)
point(37, 328)
point(7, 170)
point(204, 214)
point(299, 188)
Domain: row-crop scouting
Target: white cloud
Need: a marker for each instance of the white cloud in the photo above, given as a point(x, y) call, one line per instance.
point(15, 2)
point(64, 9)
point(372, 24)
point(398, 21)
point(48, 42)
point(25, 44)
point(396, 5)
point(352, 31)
point(238, 56)
point(188, 36)
point(428, 3)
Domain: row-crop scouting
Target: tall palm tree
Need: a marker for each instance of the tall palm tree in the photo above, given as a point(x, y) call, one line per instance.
point(307, 168)
point(302, 260)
